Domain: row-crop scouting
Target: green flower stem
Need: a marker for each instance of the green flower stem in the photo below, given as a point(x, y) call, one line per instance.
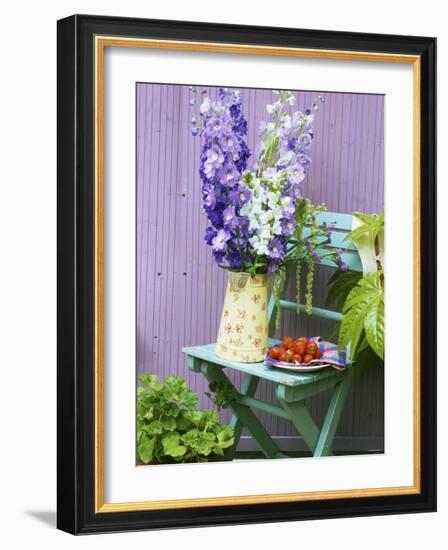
point(298, 284)
point(309, 287)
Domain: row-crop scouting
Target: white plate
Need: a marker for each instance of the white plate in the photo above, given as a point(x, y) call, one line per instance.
point(298, 368)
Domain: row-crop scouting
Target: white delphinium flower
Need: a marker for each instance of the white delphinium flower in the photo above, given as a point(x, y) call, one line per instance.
point(264, 211)
point(288, 205)
point(276, 227)
point(286, 158)
point(309, 119)
point(274, 108)
point(297, 174)
point(205, 105)
point(272, 199)
point(272, 175)
point(301, 119)
point(286, 122)
point(266, 127)
point(266, 216)
point(290, 99)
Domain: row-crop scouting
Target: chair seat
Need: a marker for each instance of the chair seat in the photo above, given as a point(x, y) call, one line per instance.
point(260, 370)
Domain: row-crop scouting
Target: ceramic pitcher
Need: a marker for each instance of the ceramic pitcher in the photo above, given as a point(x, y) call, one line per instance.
point(243, 331)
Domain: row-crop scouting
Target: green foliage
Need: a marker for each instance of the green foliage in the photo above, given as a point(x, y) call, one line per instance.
point(361, 297)
point(341, 283)
point(278, 284)
point(309, 250)
point(172, 446)
point(271, 143)
point(309, 286)
point(371, 228)
point(364, 311)
point(366, 358)
point(298, 285)
point(170, 429)
point(221, 394)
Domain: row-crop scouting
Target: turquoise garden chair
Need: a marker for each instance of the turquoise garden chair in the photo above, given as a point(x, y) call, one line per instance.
point(291, 388)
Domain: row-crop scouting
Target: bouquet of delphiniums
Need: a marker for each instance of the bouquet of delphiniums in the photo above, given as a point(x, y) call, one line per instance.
point(256, 214)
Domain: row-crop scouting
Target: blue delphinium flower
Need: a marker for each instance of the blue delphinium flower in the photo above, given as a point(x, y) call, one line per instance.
point(341, 264)
point(276, 250)
point(251, 213)
point(312, 251)
point(209, 196)
point(288, 226)
point(210, 234)
point(219, 242)
point(230, 219)
point(229, 174)
point(241, 195)
point(224, 155)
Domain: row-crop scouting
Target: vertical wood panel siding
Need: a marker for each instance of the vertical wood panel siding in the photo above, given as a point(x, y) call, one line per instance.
point(180, 289)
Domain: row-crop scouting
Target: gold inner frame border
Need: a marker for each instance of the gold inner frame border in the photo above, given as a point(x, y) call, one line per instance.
point(101, 42)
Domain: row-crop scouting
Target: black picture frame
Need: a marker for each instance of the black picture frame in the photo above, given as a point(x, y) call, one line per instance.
point(76, 225)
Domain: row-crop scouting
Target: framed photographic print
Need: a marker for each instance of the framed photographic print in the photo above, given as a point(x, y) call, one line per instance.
point(246, 274)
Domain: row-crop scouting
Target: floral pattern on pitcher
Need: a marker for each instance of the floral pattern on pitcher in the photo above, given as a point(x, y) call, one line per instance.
point(243, 332)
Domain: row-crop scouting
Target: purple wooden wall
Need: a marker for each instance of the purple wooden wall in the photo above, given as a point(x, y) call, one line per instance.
point(179, 287)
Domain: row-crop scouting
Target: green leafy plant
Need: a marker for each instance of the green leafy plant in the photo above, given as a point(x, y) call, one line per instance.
point(361, 297)
point(170, 429)
point(364, 314)
point(371, 228)
point(341, 283)
point(221, 394)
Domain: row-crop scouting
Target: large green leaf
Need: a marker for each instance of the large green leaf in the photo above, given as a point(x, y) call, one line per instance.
point(150, 381)
point(364, 310)
point(177, 391)
point(183, 422)
point(195, 417)
point(341, 283)
point(146, 448)
point(218, 450)
point(225, 437)
point(352, 324)
point(371, 227)
point(169, 424)
point(171, 445)
point(366, 218)
point(209, 420)
point(200, 442)
point(374, 326)
point(154, 427)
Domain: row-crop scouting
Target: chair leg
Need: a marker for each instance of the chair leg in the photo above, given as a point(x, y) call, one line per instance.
point(302, 421)
point(244, 414)
point(248, 388)
point(331, 421)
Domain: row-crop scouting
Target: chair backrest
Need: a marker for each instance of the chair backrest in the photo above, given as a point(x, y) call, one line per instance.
point(350, 256)
point(342, 227)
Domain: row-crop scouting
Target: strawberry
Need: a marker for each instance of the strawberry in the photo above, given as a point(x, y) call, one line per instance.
point(311, 348)
point(300, 347)
point(288, 342)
